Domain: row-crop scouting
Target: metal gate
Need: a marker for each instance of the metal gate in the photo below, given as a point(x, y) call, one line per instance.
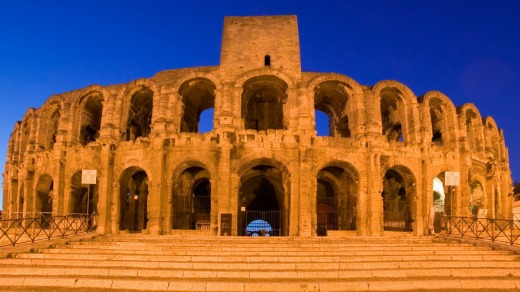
point(400, 219)
point(192, 213)
point(261, 223)
point(326, 216)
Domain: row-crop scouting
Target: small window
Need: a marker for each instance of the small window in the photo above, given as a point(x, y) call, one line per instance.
point(267, 60)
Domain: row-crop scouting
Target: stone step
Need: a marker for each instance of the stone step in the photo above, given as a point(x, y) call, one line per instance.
point(235, 265)
point(294, 252)
point(266, 274)
point(169, 263)
point(430, 283)
point(260, 243)
point(263, 240)
point(275, 259)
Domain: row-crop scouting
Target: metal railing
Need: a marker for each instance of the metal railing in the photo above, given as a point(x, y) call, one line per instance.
point(489, 229)
point(18, 228)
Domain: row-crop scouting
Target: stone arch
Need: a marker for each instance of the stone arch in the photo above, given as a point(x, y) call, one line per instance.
point(471, 123)
point(197, 95)
point(89, 115)
point(191, 196)
point(270, 157)
point(49, 116)
point(133, 199)
point(266, 71)
point(137, 110)
point(14, 142)
point(263, 103)
point(477, 197)
point(27, 133)
point(263, 194)
point(145, 165)
point(442, 126)
point(396, 110)
point(355, 109)
point(399, 198)
point(83, 198)
point(334, 98)
point(493, 139)
point(44, 196)
point(336, 197)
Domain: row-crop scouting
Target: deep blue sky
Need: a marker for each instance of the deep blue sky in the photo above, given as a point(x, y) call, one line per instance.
point(469, 50)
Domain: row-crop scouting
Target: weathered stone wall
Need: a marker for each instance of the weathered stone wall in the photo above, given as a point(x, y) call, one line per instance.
point(263, 153)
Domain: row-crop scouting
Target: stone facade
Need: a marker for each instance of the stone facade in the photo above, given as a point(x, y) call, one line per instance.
point(382, 167)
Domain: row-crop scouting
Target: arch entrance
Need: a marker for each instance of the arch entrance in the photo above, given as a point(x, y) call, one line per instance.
point(133, 198)
point(441, 201)
point(44, 197)
point(335, 200)
point(263, 204)
point(398, 199)
point(192, 200)
point(82, 200)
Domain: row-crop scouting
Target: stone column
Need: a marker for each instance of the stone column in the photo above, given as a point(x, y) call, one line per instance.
point(375, 202)
point(154, 189)
point(105, 190)
point(304, 195)
point(221, 200)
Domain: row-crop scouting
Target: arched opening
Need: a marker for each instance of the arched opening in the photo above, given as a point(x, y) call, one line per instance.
point(25, 134)
point(441, 202)
point(83, 198)
point(477, 200)
point(139, 115)
point(90, 118)
point(437, 121)
point(331, 98)
point(472, 123)
point(49, 123)
point(262, 196)
point(263, 101)
point(335, 200)
point(398, 197)
point(44, 198)
point(198, 96)
point(133, 199)
point(392, 115)
point(191, 203)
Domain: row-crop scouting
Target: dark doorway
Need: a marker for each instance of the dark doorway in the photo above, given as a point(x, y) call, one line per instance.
point(133, 200)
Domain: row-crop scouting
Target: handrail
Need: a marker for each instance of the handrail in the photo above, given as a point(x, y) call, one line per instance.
point(488, 229)
point(17, 228)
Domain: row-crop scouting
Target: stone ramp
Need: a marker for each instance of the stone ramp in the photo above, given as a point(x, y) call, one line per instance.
point(171, 263)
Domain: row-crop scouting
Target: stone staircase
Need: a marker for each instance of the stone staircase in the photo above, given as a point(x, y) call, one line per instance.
point(174, 263)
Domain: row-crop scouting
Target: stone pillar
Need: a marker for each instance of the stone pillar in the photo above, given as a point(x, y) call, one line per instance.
point(304, 195)
point(295, 208)
point(375, 201)
point(362, 206)
point(154, 190)
point(105, 190)
point(221, 199)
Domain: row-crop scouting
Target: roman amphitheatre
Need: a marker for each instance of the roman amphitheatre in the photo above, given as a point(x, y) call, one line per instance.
point(391, 166)
point(157, 173)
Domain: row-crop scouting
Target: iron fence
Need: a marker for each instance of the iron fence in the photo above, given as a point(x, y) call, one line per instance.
point(261, 223)
point(192, 213)
point(17, 228)
point(489, 229)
